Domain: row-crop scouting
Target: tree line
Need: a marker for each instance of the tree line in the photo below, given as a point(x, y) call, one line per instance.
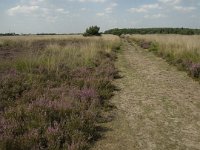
point(94, 31)
point(183, 31)
point(8, 34)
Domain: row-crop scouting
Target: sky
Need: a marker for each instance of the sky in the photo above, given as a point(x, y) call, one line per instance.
point(74, 16)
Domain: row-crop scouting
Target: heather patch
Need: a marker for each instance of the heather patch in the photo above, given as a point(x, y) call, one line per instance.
point(52, 98)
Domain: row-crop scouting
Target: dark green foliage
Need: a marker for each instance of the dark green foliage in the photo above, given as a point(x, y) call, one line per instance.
point(92, 31)
point(8, 34)
point(183, 31)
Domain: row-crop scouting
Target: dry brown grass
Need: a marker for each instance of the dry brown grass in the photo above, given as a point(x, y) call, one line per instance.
point(71, 49)
point(182, 51)
point(178, 45)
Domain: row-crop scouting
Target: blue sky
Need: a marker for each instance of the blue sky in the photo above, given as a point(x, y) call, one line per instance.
point(73, 16)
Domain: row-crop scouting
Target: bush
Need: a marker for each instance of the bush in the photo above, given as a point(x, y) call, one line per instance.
point(195, 70)
point(92, 31)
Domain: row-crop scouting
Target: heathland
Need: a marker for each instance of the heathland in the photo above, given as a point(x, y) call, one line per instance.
point(107, 92)
point(54, 89)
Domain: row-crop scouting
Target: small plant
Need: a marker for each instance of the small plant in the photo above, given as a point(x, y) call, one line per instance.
point(92, 31)
point(145, 44)
point(195, 70)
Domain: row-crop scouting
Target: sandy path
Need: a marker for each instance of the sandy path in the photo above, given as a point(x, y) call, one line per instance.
point(158, 107)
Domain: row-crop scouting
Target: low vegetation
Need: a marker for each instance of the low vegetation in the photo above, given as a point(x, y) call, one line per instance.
point(53, 90)
point(182, 51)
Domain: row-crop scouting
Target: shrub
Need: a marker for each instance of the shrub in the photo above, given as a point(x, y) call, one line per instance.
point(145, 44)
point(195, 70)
point(92, 31)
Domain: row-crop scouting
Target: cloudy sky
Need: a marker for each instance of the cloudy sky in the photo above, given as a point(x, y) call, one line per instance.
point(73, 16)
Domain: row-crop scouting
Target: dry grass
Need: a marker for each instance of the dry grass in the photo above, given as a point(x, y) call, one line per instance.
point(177, 44)
point(180, 50)
point(52, 50)
point(4, 39)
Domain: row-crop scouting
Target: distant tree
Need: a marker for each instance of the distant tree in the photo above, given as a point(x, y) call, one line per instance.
point(184, 31)
point(92, 31)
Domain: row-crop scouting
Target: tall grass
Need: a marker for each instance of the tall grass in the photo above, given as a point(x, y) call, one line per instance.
point(52, 95)
point(180, 50)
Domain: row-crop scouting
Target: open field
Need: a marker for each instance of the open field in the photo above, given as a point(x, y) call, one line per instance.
point(180, 50)
point(100, 75)
point(58, 92)
point(53, 90)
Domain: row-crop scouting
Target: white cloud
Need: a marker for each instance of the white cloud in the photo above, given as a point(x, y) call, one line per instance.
point(45, 11)
point(51, 18)
point(35, 2)
point(62, 11)
point(184, 9)
point(110, 8)
point(155, 16)
point(144, 8)
point(50, 14)
point(114, 4)
point(83, 9)
point(151, 6)
point(137, 10)
point(170, 1)
point(22, 9)
point(96, 1)
point(100, 14)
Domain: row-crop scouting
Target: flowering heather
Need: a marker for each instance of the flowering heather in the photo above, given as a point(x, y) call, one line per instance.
point(60, 104)
point(82, 72)
point(186, 64)
point(34, 133)
point(53, 129)
point(3, 126)
point(7, 126)
point(195, 70)
point(12, 88)
point(50, 98)
point(84, 94)
point(107, 70)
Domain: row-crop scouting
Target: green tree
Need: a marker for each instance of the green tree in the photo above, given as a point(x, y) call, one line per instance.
point(92, 31)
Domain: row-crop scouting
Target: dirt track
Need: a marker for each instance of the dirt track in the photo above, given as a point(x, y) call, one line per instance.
point(158, 107)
